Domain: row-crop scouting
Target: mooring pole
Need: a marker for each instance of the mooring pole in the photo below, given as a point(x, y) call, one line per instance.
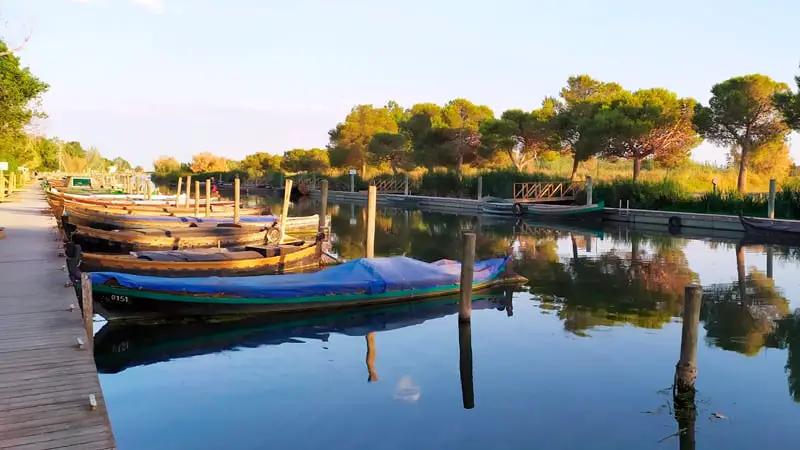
point(480, 187)
point(352, 183)
point(686, 369)
point(465, 364)
point(208, 197)
point(87, 307)
point(372, 197)
point(589, 192)
point(188, 190)
point(323, 206)
point(285, 210)
point(467, 272)
point(405, 191)
point(178, 193)
point(371, 355)
point(197, 198)
point(771, 200)
point(236, 197)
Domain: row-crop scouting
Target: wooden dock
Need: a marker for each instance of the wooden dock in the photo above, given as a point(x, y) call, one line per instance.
point(46, 379)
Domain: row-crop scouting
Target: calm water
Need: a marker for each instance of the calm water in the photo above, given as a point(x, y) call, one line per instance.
point(582, 358)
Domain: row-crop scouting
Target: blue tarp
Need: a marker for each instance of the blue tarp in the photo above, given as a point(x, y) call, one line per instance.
point(366, 275)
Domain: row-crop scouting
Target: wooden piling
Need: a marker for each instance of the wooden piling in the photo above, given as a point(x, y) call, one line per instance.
point(371, 355)
point(323, 206)
point(372, 198)
point(465, 282)
point(2, 186)
point(87, 307)
point(196, 198)
point(11, 186)
point(465, 364)
point(589, 190)
point(188, 191)
point(405, 191)
point(236, 198)
point(208, 197)
point(480, 187)
point(686, 369)
point(285, 209)
point(771, 200)
point(178, 193)
point(352, 183)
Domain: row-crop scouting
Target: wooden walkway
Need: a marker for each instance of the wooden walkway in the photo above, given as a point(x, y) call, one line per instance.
point(45, 378)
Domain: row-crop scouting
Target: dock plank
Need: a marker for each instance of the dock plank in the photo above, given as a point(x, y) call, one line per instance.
point(45, 378)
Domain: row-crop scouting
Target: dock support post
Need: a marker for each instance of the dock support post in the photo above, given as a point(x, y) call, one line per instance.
point(771, 200)
point(196, 198)
point(465, 282)
point(87, 307)
point(323, 206)
point(352, 183)
point(465, 364)
point(372, 197)
point(589, 189)
point(208, 197)
point(686, 369)
point(371, 355)
point(480, 187)
point(236, 197)
point(287, 192)
point(405, 191)
point(188, 190)
point(178, 193)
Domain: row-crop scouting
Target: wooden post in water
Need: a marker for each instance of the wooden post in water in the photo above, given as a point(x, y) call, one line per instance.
point(589, 189)
point(372, 197)
point(771, 200)
point(2, 186)
point(686, 369)
point(87, 306)
point(465, 282)
point(236, 198)
point(371, 355)
point(188, 191)
point(287, 192)
point(323, 206)
point(196, 198)
point(352, 182)
point(480, 187)
point(465, 364)
point(11, 186)
point(208, 197)
point(405, 191)
point(178, 193)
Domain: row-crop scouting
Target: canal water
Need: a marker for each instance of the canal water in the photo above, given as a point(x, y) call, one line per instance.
point(582, 357)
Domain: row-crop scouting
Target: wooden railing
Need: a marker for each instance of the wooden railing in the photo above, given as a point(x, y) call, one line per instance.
point(391, 185)
point(546, 192)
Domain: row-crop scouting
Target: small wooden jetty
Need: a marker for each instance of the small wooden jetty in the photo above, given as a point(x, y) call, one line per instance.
point(50, 395)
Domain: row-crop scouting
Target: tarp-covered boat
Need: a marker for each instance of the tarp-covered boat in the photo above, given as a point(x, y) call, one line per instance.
point(361, 282)
point(251, 260)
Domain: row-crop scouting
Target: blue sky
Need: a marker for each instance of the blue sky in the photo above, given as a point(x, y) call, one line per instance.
point(142, 78)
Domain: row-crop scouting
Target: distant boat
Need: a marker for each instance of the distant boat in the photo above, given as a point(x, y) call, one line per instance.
point(539, 211)
point(366, 281)
point(787, 231)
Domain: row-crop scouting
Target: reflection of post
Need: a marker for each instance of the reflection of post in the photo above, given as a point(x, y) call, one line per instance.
point(480, 187)
point(685, 415)
point(352, 183)
point(769, 261)
point(508, 302)
point(465, 364)
point(588, 240)
point(465, 282)
point(589, 192)
point(371, 355)
point(87, 307)
point(741, 276)
point(574, 246)
point(686, 370)
point(371, 211)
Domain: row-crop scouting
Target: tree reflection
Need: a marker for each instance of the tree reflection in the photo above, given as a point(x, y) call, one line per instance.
point(787, 336)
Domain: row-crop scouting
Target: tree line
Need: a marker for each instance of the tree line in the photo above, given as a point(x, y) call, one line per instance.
point(751, 116)
point(20, 92)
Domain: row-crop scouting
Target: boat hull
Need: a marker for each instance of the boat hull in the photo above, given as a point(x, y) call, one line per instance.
point(771, 231)
point(557, 213)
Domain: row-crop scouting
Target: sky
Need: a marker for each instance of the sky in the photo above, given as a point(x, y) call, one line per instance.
point(144, 78)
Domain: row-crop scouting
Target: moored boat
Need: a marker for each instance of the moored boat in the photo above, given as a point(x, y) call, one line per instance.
point(779, 230)
point(161, 211)
point(366, 281)
point(540, 211)
point(250, 260)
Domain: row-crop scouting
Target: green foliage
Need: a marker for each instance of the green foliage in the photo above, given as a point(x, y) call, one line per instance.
point(166, 165)
point(391, 148)
point(741, 113)
point(121, 164)
point(299, 160)
point(349, 140)
point(258, 164)
point(789, 105)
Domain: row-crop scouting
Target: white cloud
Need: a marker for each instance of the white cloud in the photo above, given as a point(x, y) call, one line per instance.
point(156, 6)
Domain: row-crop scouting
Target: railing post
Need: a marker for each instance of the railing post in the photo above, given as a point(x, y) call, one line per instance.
point(323, 206)
point(465, 282)
point(178, 193)
point(236, 198)
point(771, 200)
point(188, 190)
point(285, 209)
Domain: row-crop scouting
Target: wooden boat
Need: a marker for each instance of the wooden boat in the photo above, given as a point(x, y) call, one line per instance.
point(123, 241)
point(124, 344)
point(366, 281)
point(539, 211)
point(106, 221)
point(251, 260)
point(778, 230)
point(161, 211)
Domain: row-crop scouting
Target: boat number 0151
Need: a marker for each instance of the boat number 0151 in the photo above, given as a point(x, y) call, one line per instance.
point(119, 298)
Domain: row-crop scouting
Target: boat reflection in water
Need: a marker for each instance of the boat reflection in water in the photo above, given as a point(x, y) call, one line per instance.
point(122, 345)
